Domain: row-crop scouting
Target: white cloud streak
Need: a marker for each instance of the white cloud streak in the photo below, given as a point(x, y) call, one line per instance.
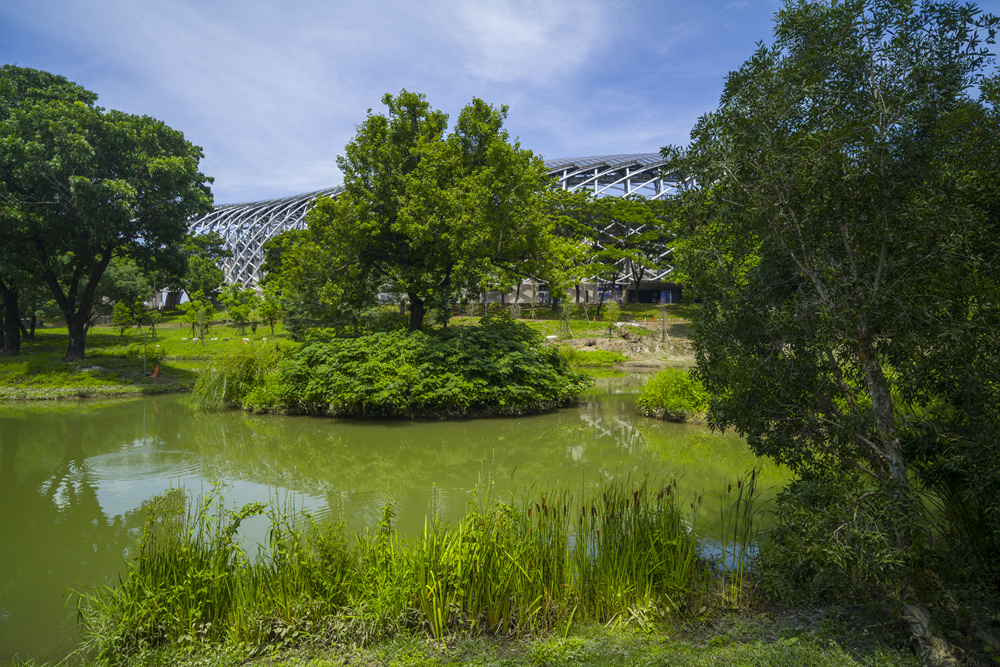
point(272, 92)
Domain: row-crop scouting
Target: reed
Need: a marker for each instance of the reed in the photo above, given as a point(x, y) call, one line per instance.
point(523, 566)
point(739, 521)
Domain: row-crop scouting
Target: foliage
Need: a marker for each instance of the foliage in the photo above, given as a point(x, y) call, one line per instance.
point(245, 378)
point(497, 367)
point(203, 253)
point(506, 567)
point(241, 303)
point(424, 214)
point(198, 312)
point(81, 186)
point(674, 394)
point(123, 282)
point(844, 244)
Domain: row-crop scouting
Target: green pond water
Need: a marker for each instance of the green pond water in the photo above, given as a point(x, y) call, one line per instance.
point(74, 476)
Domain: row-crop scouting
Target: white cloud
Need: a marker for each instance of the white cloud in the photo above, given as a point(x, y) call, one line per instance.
point(272, 92)
point(531, 41)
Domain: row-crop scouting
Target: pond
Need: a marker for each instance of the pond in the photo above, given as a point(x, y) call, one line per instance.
point(74, 476)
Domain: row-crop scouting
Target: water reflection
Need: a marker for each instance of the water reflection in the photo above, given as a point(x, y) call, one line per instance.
point(73, 477)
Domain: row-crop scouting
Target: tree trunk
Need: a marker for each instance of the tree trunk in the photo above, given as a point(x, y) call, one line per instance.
point(11, 322)
point(934, 647)
point(417, 311)
point(77, 327)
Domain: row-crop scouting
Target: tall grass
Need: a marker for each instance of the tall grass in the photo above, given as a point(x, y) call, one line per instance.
point(739, 520)
point(524, 566)
point(245, 378)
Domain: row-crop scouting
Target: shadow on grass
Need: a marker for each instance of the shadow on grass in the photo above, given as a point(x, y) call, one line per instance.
point(109, 368)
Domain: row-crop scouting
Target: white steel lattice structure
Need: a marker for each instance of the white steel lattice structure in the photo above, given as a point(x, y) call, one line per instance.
point(246, 227)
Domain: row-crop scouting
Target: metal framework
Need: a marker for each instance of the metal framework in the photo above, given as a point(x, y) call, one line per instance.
point(246, 227)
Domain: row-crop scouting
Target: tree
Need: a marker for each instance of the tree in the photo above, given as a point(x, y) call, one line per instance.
point(80, 185)
point(845, 249)
point(240, 305)
point(204, 274)
point(615, 236)
point(198, 312)
point(123, 282)
point(430, 215)
point(270, 309)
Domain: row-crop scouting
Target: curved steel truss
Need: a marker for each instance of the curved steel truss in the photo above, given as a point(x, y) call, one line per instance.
point(246, 227)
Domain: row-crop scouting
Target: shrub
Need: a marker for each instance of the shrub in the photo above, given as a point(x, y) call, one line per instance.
point(498, 367)
point(833, 542)
point(673, 394)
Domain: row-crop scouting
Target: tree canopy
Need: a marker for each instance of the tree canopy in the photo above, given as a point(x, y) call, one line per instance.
point(429, 214)
point(80, 185)
point(844, 241)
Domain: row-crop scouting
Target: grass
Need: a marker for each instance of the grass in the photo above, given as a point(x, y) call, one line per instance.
point(591, 358)
point(541, 564)
point(117, 365)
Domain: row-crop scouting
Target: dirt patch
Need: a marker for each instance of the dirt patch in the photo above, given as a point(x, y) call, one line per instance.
point(647, 346)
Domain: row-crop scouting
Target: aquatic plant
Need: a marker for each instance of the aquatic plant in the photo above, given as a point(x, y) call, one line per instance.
point(620, 555)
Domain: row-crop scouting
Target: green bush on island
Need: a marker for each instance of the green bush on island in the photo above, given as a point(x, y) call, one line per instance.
point(673, 394)
point(496, 368)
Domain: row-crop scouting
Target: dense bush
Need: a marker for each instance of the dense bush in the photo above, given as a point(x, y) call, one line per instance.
point(800, 562)
point(673, 394)
point(497, 367)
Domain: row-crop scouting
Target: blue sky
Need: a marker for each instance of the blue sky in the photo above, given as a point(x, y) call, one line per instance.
point(272, 91)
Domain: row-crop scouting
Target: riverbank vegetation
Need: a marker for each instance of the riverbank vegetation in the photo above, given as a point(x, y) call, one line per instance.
point(674, 394)
point(538, 578)
point(121, 362)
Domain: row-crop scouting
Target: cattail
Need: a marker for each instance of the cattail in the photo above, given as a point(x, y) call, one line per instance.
point(729, 489)
point(739, 484)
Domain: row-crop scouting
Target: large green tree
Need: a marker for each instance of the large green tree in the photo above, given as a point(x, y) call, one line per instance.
point(843, 238)
point(429, 214)
point(80, 185)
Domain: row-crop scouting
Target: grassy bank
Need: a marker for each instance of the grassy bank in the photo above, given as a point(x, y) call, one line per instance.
point(122, 365)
